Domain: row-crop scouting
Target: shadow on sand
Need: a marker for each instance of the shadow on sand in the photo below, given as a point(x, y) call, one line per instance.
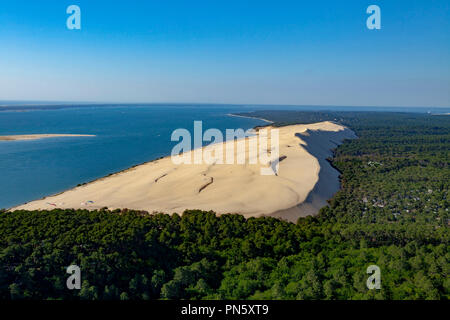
point(319, 144)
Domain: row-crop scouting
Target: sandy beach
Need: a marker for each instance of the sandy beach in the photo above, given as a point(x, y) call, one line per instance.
point(162, 186)
point(40, 136)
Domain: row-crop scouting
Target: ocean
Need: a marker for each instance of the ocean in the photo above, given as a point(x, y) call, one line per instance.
point(126, 135)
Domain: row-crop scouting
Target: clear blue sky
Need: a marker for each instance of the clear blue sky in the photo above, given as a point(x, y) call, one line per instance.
point(273, 52)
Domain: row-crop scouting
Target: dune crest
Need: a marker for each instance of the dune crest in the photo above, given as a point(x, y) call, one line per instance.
point(161, 186)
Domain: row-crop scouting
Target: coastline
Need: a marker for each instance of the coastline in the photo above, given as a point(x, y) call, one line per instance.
point(161, 186)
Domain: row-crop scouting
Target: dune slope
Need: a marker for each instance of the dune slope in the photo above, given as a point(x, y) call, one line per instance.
point(304, 177)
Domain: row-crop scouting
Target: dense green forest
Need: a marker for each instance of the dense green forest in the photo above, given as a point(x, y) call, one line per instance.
point(392, 211)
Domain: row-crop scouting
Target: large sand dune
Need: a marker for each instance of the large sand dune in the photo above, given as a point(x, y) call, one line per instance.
point(303, 182)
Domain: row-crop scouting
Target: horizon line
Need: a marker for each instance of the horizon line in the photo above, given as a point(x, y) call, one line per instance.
point(31, 103)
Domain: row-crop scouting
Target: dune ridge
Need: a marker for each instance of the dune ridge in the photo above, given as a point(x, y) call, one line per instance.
point(161, 186)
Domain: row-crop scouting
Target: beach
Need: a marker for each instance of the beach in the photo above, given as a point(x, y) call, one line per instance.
point(162, 186)
point(40, 136)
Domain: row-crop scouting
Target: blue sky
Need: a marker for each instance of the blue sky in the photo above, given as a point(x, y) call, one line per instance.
point(270, 52)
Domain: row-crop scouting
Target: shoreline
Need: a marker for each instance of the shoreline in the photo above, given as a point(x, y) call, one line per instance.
point(160, 186)
point(27, 137)
point(117, 172)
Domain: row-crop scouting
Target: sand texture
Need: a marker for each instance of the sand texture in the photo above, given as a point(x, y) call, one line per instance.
point(304, 181)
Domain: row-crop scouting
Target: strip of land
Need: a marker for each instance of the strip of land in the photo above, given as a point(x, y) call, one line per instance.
point(248, 117)
point(40, 136)
point(162, 186)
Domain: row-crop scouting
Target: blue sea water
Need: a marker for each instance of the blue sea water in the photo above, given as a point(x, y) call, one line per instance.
point(125, 135)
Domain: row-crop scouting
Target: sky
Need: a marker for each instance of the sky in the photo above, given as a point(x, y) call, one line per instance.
point(249, 52)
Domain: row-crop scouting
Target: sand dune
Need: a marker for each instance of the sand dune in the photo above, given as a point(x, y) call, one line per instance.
point(161, 186)
point(40, 136)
